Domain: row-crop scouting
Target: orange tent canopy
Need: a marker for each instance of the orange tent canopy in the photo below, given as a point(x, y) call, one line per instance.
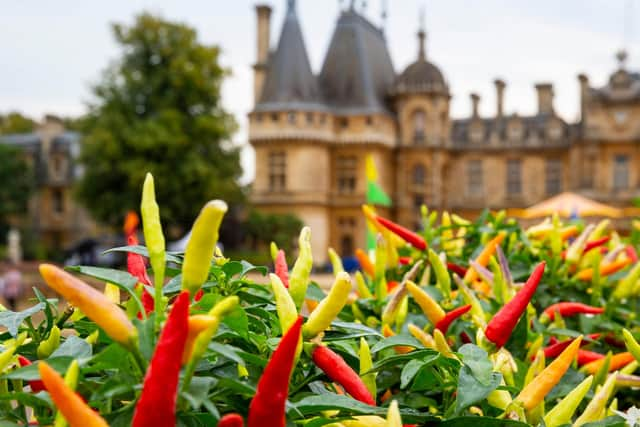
point(568, 204)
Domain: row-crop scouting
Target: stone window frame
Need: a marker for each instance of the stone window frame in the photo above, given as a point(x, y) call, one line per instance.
point(419, 126)
point(277, 164)
point(620, 172)
point(513, 177)
point(346, 173)
point(475, 177)
point(553, 172)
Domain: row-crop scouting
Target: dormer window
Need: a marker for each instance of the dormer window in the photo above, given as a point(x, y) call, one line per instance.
point(291, 117)
point(419, 124)
point(516, 131)
point(555, 131)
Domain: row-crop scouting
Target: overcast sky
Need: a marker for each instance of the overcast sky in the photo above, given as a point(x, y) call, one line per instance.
point(52, 51)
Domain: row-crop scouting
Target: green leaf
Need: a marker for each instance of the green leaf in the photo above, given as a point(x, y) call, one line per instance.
point(30, 373)
point(74, 347)
point(227, 351)
point(470, 390)
point(198, 391)
point(12, 320)
point(409, 372)
point(478, 362)
point(142, 250)
point(480, 422)
point(247, 268)
point(237, 321)
point(404, 340)
point(116, 277)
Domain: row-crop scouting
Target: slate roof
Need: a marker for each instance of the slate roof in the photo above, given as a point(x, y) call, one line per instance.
point(534, 131)
point(289, 83)
point(357, 73)
point(421, 76)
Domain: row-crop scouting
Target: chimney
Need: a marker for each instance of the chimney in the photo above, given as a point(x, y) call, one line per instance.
point(263, 15)
point(545, 98)
point(475, 102)
point(584, 93)
point(500, 85)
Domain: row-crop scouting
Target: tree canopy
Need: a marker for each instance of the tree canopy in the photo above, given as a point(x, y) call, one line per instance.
point(17, 179)
point(158, 109)
point(15, 122)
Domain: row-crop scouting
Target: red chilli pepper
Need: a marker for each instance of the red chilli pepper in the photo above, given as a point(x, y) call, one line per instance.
point(567, 309)
point(412, 238)
point(595, 243)
point(268, 405)
point(137, 268)
point(282, 270)
point(231, 420)
point(36, 385)
point(198, 296)
point(458, 269)
point(337, 369)
point(446, 321)
point(157, 404)
point(586, 356)
point(504, 321)
point(404, 260)
point(632, 254)
point(555, 348)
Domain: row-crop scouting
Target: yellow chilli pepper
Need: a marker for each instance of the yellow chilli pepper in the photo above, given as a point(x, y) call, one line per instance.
point(393, 415)
point(71, 380)
point(363, 289)
point(154, 238)
point(429, 306)
point(112, 292)
point(630, 342)
point(391, 309)
point(286, 308)
point(197, 323)
point(534, 392)
point(626, 285)
point(73, 408)
point(425, 338)
point(366, 364)
point(201, 244)
point(595, 409)
point(93, 303)
point(365, 421)
point(442, 345)
point(329, 307)
point(563, 411)
point(299, 278)
point(336, 261)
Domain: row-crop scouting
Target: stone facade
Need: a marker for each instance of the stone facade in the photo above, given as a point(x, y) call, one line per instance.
point(53, 215)
point(311, 133)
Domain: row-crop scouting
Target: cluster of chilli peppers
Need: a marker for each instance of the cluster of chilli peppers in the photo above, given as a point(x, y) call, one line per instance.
point(414, 287)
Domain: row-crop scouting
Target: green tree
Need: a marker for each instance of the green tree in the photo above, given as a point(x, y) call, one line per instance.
point(262, 228)
point(17, 179)
point(158, 109)
point(15, 122)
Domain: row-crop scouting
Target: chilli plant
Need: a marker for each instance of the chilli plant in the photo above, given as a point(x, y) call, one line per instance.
point(462, 323)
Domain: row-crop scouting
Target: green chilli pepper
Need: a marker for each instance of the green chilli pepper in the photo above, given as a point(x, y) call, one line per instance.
point(630, 342)
point(596, 407)
point(154, 239)
point(202, 242)
point(299, 278)
point(363, 289)
point(366, 364)
point(442, 275)
point(48, 346)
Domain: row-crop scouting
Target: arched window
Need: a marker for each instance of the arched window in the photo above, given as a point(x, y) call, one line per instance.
point(419, 124)
point(418, 176)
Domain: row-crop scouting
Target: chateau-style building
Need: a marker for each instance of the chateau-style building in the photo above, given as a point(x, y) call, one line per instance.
point(56, 220)
point(312, 131)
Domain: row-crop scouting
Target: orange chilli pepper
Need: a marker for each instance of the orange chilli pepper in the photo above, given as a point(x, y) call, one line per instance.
point(69, 403)
point(618, 361)
point(484, 257)
point(605, 269)
point(365, 263)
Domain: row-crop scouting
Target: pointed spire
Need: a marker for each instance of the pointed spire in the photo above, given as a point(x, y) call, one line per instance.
point(422, 36)
point(621, 56)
